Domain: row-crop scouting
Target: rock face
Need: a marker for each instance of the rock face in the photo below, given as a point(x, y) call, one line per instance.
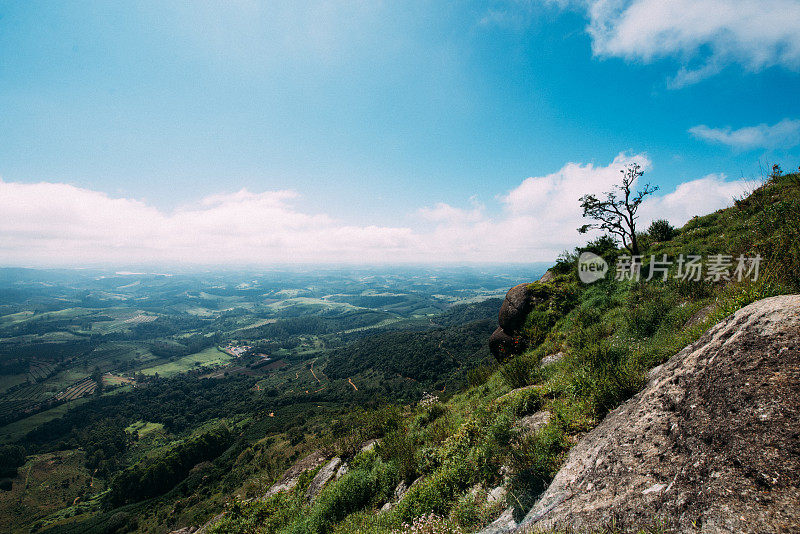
point(534, 422)
point(547, 276)
point(551, 359)
point(323, 476)
point(289, 479)
point(515, 308)
point(712, 441)
point(501, 344)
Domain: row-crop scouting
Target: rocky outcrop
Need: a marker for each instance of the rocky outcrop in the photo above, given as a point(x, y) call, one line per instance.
point(534, 422)
point(505, 341)
point(323, 476)
point(400, 492)
point(501, 344)
point(551, 359)
point(515, 308)
point(710, 445)
point(548, 276)
point(290, 478)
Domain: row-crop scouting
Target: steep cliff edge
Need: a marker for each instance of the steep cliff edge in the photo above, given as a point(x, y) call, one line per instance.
point(711, 444)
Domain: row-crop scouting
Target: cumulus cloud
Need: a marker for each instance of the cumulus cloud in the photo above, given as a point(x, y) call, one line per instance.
point(59, 223)
point(53, 223)
point(695, 197)
point(445, 213)
point(705, 35)
point(540, 216)
point(785, 134)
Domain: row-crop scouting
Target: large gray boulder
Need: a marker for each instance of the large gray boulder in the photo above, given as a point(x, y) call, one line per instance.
point(506, 341)
point(515, 308)
point(501, 344)
point(710, 445)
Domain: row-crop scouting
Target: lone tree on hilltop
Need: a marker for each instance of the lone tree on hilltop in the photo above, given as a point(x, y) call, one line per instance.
point(616, 214)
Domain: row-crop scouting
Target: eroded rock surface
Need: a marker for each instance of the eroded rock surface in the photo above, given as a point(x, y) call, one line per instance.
point(323, 476)
point(290, 477)
point(712, 444)
point(535, 422)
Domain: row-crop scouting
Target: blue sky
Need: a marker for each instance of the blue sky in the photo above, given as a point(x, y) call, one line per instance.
point(375, 131)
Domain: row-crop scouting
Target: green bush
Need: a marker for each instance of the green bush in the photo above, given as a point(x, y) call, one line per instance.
point(257, 517)
point(661, 230)
point(521, 403)
point(535, 459)
point(538, 325)
point(778, 227)
point(399, 446)
point(433, 495)
point(11, 457)
point(472, 511)
point(355, 490)
point(518, 371)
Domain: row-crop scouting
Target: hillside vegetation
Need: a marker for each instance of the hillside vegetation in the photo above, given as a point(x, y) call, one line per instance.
point(606, 336)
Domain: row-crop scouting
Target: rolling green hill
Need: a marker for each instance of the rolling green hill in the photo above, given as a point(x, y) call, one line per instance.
point(606, 335)
point(324, 380)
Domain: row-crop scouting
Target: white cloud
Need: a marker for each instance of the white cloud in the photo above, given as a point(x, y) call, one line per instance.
point(53, 223)
point(704, 34)
point(785, 134)
point(695, 197)
point(445, 213)
point(60, 223)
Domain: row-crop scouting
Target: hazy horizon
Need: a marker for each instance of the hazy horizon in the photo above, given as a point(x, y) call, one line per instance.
point(304, 132)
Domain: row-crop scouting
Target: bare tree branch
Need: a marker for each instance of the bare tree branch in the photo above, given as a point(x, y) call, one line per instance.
point(618, 215)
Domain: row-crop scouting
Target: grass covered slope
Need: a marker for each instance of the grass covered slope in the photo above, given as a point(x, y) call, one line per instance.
point(609, 335)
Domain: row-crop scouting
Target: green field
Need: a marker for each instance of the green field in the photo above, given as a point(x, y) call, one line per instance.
point(144, 428)
point(14, 318)
point(124, 321)
point(210, 357)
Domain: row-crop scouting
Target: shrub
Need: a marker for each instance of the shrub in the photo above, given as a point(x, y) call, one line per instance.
point(433, 495)
point(538, 325)
point(535, 459)
point(431, 414)
point(428, 524)
point(11, 457)
point(352, 492)
point(737, 296)
point(661, 230)
point(400, 447)
point(467, 511)
point(479, 375)
point(518, 371)
point(521, 403)
point(472, 511)
point(778, 229)
point(256, 517)
point(692, 290)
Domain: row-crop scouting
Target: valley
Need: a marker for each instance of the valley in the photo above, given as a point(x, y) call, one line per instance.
point(113, 368)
